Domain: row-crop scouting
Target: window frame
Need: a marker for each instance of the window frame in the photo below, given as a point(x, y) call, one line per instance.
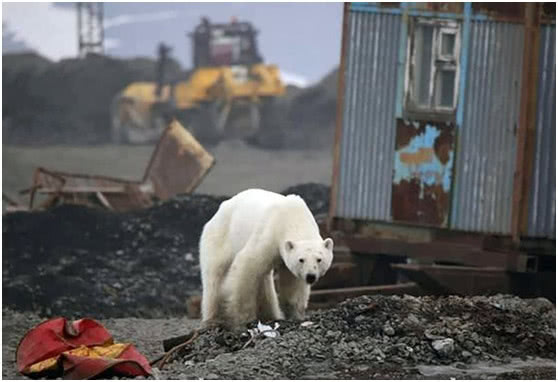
point(438, 63)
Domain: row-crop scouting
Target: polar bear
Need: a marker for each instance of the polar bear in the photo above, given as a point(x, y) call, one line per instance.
point(252, 235)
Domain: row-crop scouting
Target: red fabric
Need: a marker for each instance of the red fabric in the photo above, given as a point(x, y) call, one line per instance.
point(58, 335)
point(76, 367)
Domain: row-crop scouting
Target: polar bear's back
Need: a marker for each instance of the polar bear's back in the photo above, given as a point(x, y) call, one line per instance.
point(250, 212)
point(250, 209)
point(239, 216)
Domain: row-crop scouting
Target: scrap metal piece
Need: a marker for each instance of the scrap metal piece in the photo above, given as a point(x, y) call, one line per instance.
point(11, 205)
point(178, 164)
point(91, 190)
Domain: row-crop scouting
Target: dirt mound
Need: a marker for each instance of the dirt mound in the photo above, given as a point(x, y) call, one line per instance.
point(382, 335)
point(75, 261)
point(67, 101)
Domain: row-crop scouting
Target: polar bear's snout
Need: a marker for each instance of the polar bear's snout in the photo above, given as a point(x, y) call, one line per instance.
point(311, 278)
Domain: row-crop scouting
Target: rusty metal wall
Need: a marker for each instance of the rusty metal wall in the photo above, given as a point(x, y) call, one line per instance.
point(542, 203)
point(368, 134)
point(483, 192)
point(422, 172)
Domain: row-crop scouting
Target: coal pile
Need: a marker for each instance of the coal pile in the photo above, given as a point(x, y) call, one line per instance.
point(303, 119)
point(373, 336)
point(74, 261)
point(316, 196)
point(66, 102)
point(77, 261)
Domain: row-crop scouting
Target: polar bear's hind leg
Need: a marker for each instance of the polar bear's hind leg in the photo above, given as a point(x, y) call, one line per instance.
point(215, 261)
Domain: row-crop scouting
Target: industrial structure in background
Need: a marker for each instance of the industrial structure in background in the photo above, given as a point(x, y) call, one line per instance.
point(90, 28)
point(229, 93)
point(444, 156)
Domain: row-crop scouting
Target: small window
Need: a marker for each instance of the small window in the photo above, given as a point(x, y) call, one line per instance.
point(432, 67)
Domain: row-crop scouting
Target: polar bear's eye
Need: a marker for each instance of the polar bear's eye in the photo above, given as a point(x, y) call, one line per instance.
point(301, 260)
point(319, 260)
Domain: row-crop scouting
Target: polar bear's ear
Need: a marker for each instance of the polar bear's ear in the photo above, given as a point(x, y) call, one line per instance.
point(289, 245)
point(328, 243)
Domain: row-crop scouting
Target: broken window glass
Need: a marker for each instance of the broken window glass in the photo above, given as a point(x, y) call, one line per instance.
point(424, 64)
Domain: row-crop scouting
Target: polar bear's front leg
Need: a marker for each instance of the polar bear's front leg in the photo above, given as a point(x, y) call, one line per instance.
point(268, 301)
point(293, 294)
point(241, 288)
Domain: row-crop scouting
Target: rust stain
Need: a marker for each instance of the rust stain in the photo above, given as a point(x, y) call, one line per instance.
point(444, 143)
point(423, 155)
point(406, 132)
point(548, 12)
point(510, 10)
point(390, 5)
point(423, 172)
point(407, 205)
point(445, 7)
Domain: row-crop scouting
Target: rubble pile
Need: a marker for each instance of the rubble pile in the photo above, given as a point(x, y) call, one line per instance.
point(368, 334)
point(73, 260)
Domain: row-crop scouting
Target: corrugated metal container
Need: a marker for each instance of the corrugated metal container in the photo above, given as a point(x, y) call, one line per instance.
point(368, 138)
point(487, 139)
point(542, 203)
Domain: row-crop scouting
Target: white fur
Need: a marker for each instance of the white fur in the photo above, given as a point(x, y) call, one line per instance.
point(252, 234)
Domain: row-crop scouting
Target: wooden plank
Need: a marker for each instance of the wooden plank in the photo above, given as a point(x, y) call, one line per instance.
point(526, 132)
point(339, 117)
point(446, 280)
point(83, 189)
point(340, 294)
point(438, 252)
point(339, 275)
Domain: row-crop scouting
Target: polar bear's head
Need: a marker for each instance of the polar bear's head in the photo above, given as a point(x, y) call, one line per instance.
point(308, 260)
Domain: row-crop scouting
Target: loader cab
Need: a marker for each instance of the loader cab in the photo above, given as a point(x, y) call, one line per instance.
point(232, 44)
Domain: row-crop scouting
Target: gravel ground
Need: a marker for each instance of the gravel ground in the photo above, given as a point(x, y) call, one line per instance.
point(368, 337)
point(75, 261)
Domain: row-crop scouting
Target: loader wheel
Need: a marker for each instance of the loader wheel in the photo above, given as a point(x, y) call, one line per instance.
point(127, 128)
point(272, 124)
point(203, 124)
point(117, 125)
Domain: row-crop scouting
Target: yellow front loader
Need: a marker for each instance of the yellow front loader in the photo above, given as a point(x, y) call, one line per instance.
point(230, 92)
